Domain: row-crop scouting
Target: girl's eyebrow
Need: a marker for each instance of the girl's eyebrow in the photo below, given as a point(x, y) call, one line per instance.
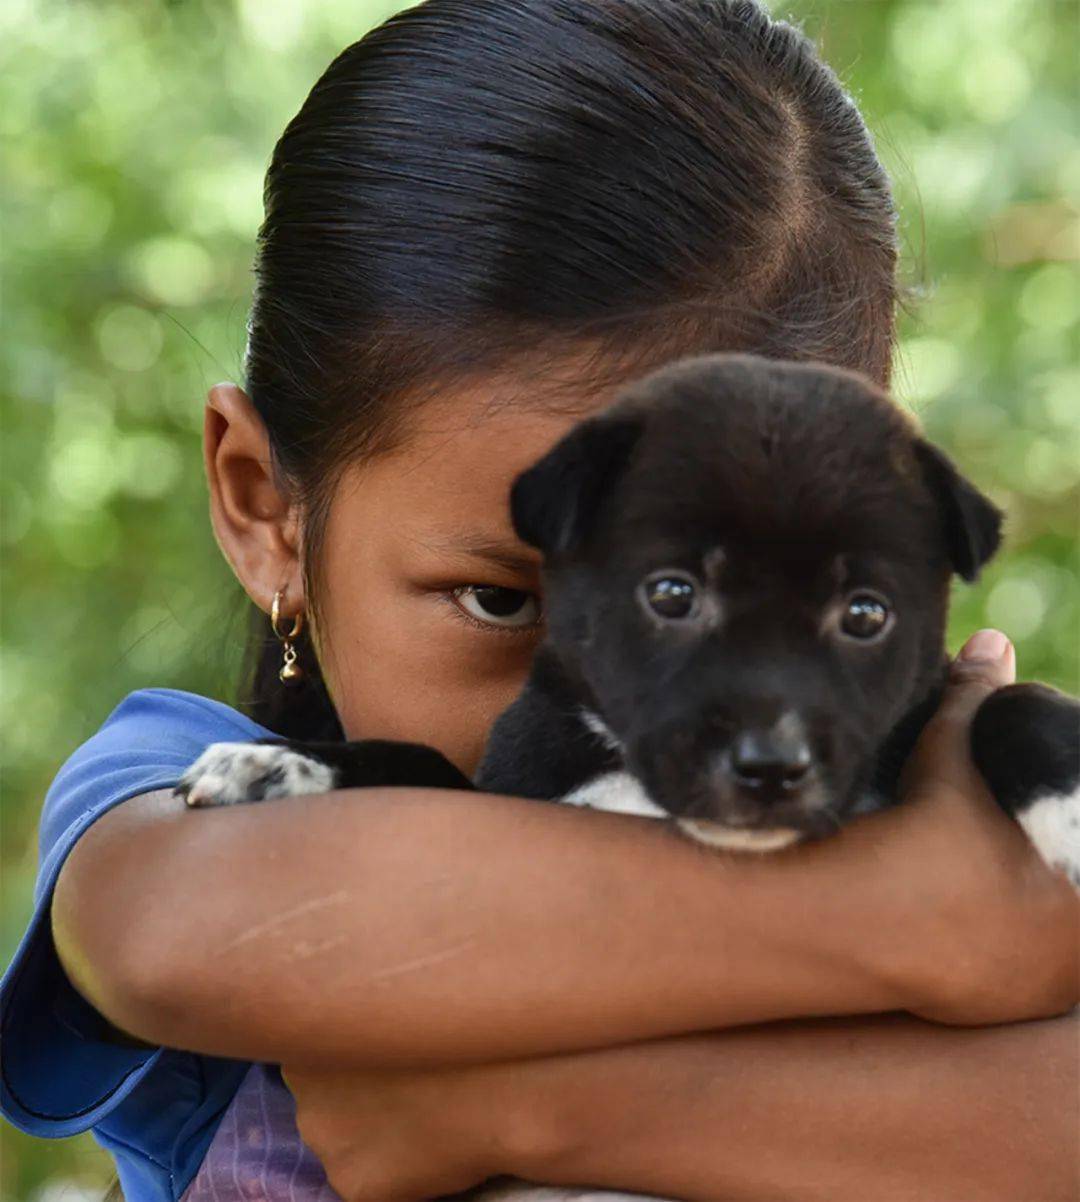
point(513, 556)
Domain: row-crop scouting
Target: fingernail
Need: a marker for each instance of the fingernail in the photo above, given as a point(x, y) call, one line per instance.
point(984, 645)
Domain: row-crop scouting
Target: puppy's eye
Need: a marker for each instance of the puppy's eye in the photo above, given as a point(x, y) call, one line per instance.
point(496, 606)
point(865, 616)
point(671, 595)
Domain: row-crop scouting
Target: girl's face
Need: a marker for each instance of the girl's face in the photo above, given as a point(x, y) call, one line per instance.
point(429, 607)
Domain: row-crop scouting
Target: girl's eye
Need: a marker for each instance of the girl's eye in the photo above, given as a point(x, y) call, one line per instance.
point(496, 606)
point(865, 616)
point(671, 595)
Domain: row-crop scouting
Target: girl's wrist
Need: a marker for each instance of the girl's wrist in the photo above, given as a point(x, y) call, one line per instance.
point(913, 918)
point(518, 1118)
point(960, 922)
point(531, 1119)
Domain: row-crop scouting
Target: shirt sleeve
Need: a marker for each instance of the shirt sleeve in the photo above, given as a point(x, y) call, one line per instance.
point(59, 1073)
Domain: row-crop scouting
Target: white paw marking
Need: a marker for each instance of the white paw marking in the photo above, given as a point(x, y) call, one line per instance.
point(1052, 823)
point(227, 773)
point(616, 792)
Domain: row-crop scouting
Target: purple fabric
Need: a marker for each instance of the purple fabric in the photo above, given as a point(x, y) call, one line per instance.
point(257, 1154)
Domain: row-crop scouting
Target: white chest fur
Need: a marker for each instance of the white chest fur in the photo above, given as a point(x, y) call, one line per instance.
point(617, 792)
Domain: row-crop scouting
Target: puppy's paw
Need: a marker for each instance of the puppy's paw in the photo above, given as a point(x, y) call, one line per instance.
point(227, 773)
point(1052, 823)
point(1025, 740)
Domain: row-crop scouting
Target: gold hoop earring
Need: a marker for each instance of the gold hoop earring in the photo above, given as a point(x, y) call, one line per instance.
point(290, 671)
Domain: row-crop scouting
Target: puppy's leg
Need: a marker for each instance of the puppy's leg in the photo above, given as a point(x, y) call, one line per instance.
point(1025, 740)
point(265, 769)
point(545, 745)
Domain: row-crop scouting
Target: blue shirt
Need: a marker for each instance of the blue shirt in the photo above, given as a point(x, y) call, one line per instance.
point(155, 1109)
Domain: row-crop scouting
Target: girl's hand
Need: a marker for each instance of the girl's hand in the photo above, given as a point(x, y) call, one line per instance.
point(697, 1117)
point(400, 1135)
point(1008, 927)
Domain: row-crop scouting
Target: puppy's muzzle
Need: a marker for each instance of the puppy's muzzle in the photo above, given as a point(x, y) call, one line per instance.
point(762, 791)
point(763, 767)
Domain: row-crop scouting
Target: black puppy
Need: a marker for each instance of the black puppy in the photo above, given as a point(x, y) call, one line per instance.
point(746, 575)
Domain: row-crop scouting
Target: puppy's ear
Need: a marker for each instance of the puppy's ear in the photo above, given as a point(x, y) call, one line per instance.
point(972, 522)
point(553, 503)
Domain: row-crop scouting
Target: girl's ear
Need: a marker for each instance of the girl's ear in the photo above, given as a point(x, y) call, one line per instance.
point(971, 521)
point(256, 525)
point(553, 503)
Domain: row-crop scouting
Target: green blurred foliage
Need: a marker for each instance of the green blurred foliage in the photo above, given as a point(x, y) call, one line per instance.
point(136, 136)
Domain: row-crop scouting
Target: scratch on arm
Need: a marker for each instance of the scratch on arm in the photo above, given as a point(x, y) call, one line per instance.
point(271, 925)
point(419, 962)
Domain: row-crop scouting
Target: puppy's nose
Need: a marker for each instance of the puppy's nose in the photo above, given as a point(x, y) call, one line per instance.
point(768, 761)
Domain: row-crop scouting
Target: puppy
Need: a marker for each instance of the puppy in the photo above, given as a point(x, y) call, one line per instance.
point(746, 575)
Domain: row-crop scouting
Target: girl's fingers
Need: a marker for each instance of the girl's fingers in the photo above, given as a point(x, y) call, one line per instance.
point(985, 663)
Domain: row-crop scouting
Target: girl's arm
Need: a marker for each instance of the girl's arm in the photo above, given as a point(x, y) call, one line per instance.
point(403, 927)
point(842, 1110)
point(409, 927)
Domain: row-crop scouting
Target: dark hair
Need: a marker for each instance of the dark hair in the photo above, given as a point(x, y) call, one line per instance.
point(484, 183)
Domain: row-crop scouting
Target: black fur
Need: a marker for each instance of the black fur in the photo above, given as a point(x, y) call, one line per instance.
point(373, 762)
point(541, 748)
point(796, 476)
point(1026, 743)
point(971, 523)
point(552, 503)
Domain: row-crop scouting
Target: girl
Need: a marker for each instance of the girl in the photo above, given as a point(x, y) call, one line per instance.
point(486, 215)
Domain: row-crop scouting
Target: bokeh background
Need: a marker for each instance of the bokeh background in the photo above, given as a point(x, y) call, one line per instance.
point(136, 136)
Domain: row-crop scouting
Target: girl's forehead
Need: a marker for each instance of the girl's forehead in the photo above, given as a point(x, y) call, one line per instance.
point(459, 453)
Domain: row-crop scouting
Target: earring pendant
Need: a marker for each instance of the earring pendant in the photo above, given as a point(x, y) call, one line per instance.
point(290, 670)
